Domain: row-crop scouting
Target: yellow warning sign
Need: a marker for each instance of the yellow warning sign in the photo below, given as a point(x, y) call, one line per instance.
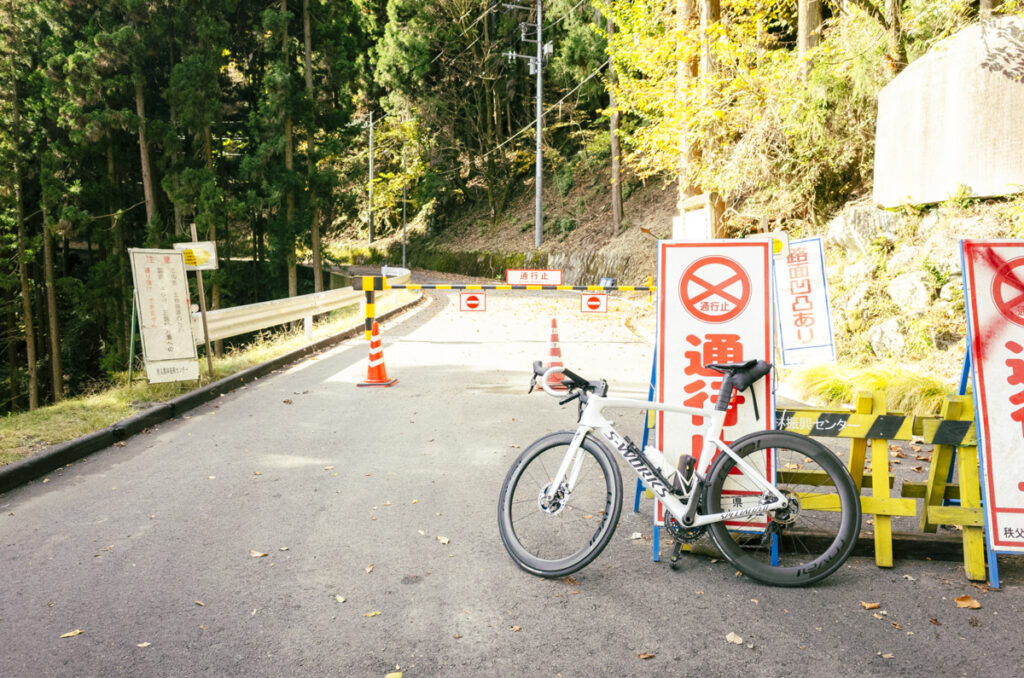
point(199, 256)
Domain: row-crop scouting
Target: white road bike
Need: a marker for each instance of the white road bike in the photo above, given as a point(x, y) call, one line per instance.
point(781, 507)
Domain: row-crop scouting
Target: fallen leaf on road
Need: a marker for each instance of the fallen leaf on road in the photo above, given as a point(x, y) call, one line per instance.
point(143, 644)
point(734, 639)
point(443, 540)
point(887, 655)
point(340, 599)
point(516, 628)
point(909, 578)
point(372, 614)
point(637, 535)
point(646, 655)
point(257, 554)
point(256, 473)
point(896, 626)
point(936, 622)
point(369, 568)
point(918, 469)
point(120, 443)
point(877, 616)
point(71, 634)
point(287, 401)
point(283, 548)
point(328, 468)
point(870, 606)
point(394, 674)
point(200, 603)
point(46, 480)
point(968, 602)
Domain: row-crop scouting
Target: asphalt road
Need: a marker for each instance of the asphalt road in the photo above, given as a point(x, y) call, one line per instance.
point(302, 526)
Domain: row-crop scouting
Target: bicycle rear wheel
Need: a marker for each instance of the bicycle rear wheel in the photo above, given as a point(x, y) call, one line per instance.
point(558, 537)
point(798, 545)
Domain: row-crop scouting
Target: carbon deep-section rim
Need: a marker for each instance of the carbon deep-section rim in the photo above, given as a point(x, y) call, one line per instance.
point(803, 543)
point(555, 539)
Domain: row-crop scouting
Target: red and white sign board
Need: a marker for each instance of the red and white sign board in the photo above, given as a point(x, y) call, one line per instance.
point(994, 292)
point(530, 276)
point(714, 306)
point(594, 303)
point(801, 292)
point(472, 301)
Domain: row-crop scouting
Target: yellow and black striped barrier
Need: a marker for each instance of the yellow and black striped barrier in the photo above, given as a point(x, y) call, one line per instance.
point(953, 431)
point(376, 283)
point(498, 286)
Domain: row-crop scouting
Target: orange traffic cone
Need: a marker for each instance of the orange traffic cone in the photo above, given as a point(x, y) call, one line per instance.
point(554, 381)
point(376, 373)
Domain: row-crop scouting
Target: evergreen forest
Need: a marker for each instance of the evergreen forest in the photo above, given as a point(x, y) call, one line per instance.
point(124, 122)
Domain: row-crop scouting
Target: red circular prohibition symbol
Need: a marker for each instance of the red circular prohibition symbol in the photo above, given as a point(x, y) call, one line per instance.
point(1008, 290)
point(714, 289)
point(593, 302)
point(472, 301)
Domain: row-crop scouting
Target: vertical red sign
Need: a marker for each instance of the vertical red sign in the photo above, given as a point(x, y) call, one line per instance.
point(994, 281)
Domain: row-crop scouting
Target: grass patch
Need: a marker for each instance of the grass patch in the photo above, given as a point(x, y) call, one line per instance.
point(836, 386)
point(25, 433)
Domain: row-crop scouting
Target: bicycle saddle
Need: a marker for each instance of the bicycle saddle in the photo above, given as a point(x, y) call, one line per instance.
point(742, 375)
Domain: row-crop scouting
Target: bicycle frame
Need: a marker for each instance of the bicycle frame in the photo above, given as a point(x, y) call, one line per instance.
point(593, 420)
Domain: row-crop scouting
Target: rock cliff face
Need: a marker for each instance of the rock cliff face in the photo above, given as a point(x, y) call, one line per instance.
point(895, 281)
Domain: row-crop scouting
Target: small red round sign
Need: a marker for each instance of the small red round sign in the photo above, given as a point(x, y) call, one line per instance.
point(594, 302)
point(714, 289)
point(1008, 291)
point(472, 301)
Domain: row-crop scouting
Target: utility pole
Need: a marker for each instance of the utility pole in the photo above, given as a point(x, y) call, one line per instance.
point(536, 68)
point(404, 179)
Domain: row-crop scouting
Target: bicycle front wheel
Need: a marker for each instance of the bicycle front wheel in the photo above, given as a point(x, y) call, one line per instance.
point(556, 537)
point(802, 543)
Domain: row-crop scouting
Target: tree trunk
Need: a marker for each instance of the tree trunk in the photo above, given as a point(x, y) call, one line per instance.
point(897, 46)
point(26, 290)
point(56, 375)
point(987, 6)
point(711, 13)
point(613, 132)
point(808, 30)
point(147, 177)
point(314, 226)
point(26, 293)
point(120, 255)
point(289, 164)
point(211, 234)
point(686, 15)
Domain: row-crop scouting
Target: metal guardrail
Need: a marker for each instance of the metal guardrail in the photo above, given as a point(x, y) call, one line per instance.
point(230, 322)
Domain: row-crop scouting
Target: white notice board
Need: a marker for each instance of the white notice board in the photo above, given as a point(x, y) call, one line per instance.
point(805, 323)
point(165, 320)
point(994, 295)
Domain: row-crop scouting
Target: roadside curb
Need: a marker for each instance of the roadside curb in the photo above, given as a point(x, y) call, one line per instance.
point(28, 469)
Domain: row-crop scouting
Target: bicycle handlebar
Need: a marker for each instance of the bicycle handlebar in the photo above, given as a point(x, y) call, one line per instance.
point(572, 381)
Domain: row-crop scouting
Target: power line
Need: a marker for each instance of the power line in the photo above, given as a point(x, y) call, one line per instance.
point(568, 12)
point(528, 127)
